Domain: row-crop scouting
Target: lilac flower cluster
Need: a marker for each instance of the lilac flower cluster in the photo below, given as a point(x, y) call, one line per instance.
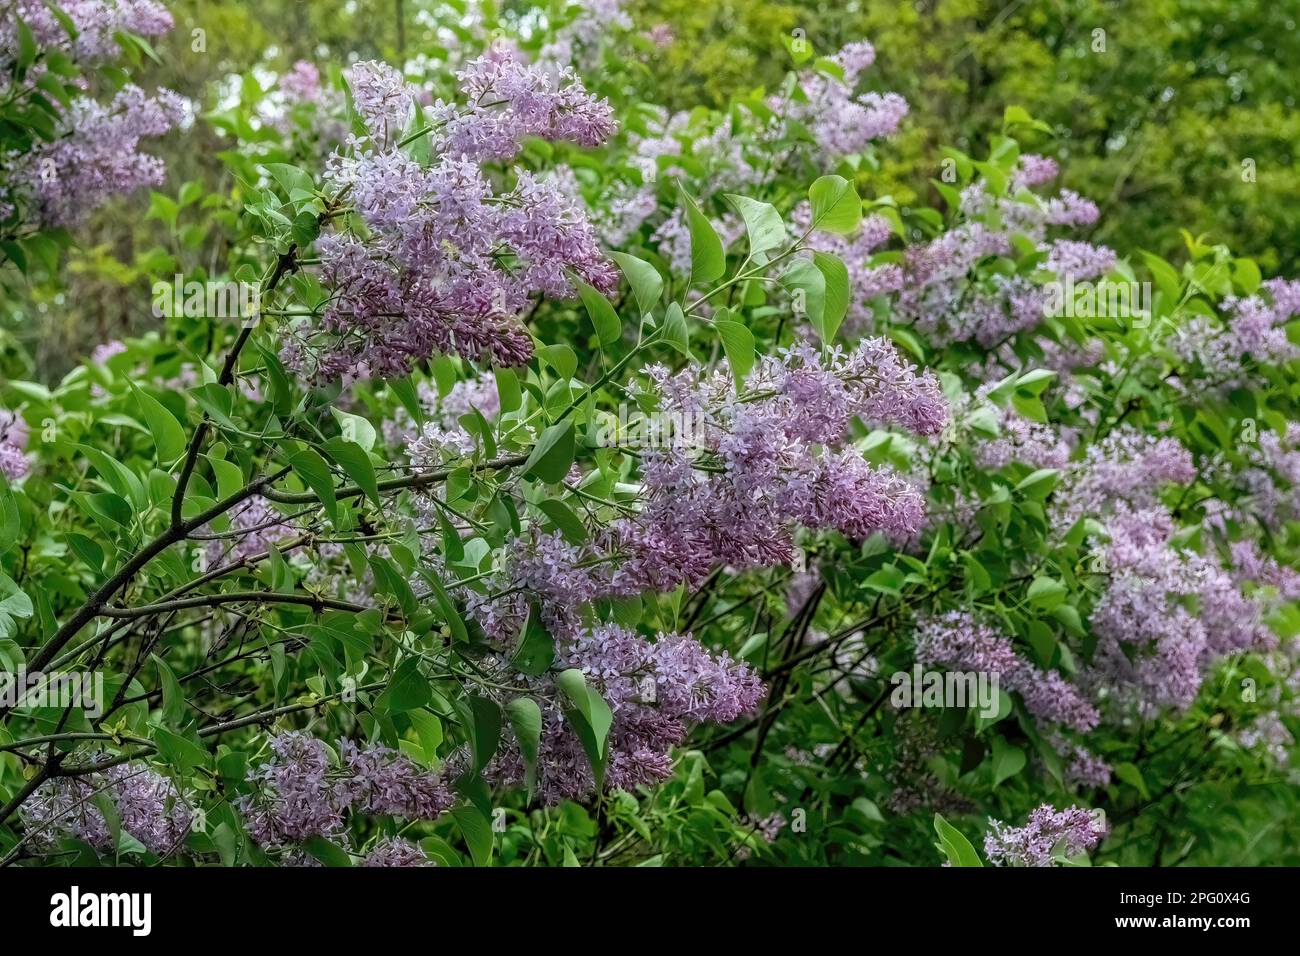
point(254, 527)
point(95, 23)
point(61, 181)
point(1079, 260)
point(949, 295)
point(1033, 170)
point(938, 298)
point(301, 97)
point(577, 43)
point(960, 641)
point(1047, 835)
point(528, 101)
point(149, 808)
point(442, 435)
point(301, 84)
point(394, 851)
point(1037, 444)
point(96, 155)
point(1127, 467)
point(303, 792)
point(1166, 617)
point(776, 446)
point(1226, 354)
point(1267, 489)
point(655, 689)
point(13, 444)
point(731, 487)
point(842, 121)
point(450, 261)
point(719, 156)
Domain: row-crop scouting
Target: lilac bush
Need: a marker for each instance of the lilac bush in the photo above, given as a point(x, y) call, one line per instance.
point(592, 473)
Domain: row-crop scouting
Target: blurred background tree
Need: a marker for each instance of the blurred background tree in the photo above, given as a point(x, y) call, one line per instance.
point(1171, 114)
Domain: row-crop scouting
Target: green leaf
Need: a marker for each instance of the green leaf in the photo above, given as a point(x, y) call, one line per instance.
point(1039, 484)
point(354, 428)
point(172, 695)
point(1007, 760)
point(738, 343)
point(429, 729)
point(315, 472)
point(408, 689)
point(87, 550)
point(536, 650)
point(951, 842)
point(180, 752)
point(120, 478)
point(1131, 775)
point(356, 463)
point(483, 727)
point(216, 401)
point(477, 831)
point(590, 718)
point(836, 295)
point(1035, 380)
point(836, 206)
point(168, 435)
point(10, 521)
point(331, 854)
point(1046, 592)
point(526, 719)
point(1167, 279)
point(646, 282)
point(609, 328)
point(675, 332)
point(708, 259)
point(509, 396)
point(552, 456)
point(562, 516)
point(448, 608)
point(763, 224)
point(807, 283)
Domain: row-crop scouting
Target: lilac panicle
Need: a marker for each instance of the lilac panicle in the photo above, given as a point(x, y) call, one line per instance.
point(1047, 834)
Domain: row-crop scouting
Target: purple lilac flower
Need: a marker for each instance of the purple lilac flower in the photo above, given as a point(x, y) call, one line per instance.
point(63, 180)
point(1037, 444)
point(1034, 170)
point(655, 689)
point(960, 641)
point(383, 781)
point(13, 444)
point(301, 84)
point(450, 262)
point(1253, 333)
point(1127, 466)
point(254, 528)
point(294, 794)
point(394, 851)
point(149, 807)
point(1079, 260)
point(302, 792)
point(842, 121)
point(106, 350)
point(1047, 834)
